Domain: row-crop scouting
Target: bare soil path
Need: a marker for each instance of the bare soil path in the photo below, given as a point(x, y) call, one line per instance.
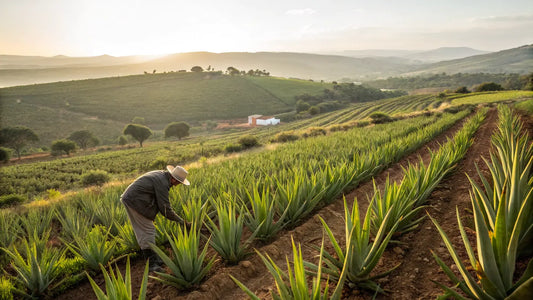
point(252, 272)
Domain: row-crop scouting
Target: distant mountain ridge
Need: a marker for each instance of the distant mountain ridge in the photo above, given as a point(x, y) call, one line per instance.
point(516, 60)
point(23, 70)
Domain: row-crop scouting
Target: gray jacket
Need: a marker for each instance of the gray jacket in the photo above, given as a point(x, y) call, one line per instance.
point(148, 195)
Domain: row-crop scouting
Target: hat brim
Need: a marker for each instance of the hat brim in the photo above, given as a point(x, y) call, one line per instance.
point(185, 181)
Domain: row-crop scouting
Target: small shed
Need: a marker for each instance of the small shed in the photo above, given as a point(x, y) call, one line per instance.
point(262, 120)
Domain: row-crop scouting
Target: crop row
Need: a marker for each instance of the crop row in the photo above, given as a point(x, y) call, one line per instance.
point(503, 219)
point(394, 211)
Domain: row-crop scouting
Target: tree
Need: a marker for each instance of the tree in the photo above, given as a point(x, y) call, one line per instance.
point(197, 69)
point(17, 138)
point(177, 129)
point(122, 140)
point(233, 71)
point(84, 138)
point(488, 86)
point(302, 106)
point(63, 145)
point(138, 132)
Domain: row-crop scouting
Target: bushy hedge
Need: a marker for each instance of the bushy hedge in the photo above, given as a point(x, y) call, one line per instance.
point(229, 148)
point(314, 131)
point(5, 154)
point(95, 177)
point(11, 200)
point(380, 117)
point(248, 141)
point(285, 136)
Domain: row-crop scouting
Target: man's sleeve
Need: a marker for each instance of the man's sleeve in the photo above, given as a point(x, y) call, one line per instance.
point(163, 204)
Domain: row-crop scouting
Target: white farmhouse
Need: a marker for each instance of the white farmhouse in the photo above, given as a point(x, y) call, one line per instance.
point(262, 120)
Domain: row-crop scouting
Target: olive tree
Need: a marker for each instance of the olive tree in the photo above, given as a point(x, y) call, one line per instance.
point(138, 132)
point(177, 129)
point(84, 138)
point(17, 138)
point(64, 145)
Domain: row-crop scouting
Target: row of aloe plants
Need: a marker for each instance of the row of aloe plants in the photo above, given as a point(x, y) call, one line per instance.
point(355, 262)
point(503, 219)
point(102, 208)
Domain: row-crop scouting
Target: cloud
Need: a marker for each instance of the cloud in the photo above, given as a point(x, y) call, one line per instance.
point(526, 18)
point(300, 12)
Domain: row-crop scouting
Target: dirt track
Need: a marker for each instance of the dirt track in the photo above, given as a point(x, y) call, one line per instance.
point(410, 281)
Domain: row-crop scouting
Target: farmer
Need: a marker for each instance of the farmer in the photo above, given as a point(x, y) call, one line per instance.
point(144, 198)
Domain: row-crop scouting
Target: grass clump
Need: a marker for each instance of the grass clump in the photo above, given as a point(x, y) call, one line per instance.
point(11, 200)
point(95, 177)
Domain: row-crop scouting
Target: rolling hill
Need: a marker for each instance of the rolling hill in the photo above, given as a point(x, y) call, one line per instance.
point(20, 70)
point(516, 60)
point(106, 105)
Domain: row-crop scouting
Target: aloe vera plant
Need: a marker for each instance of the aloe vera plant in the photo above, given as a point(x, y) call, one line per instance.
point(298, 196)
point(126, 237)
point(73, 223)
point(493, 267)
point(6, 289)
point(361, 253)
point(36, 270)
point(164, 227)
point(10, 229)
point(118, 287)
point(262, 216)
point(95, 248)
point(226, 236)
point(294, 283)
point(501, 215)
point(188, 267)
point(37, 220)
point(510, 169)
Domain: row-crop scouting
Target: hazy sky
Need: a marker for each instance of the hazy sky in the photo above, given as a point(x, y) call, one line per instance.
point(96, 27)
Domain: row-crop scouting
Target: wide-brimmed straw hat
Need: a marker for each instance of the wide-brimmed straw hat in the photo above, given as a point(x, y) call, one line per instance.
point(179, 173)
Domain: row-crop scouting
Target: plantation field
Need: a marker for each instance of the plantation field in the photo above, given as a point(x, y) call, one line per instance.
point(105, 105)
point(65, 173)
point(489, 97)
point(356, 189)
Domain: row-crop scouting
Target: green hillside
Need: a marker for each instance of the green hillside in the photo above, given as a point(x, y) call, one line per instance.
point(517, 60)
point(105, 105)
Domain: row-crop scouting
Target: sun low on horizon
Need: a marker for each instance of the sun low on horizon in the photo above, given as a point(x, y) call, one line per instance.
point(121, 28)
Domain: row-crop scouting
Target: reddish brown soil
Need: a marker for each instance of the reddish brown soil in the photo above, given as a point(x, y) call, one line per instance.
point(410, 281)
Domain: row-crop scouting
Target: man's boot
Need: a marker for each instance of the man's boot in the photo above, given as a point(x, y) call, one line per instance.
point(155, 262)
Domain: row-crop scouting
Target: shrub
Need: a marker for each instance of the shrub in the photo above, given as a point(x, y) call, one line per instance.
point(5, 154)
point(487, 87)
point(314, 110)
point(314, 131)
point(159, 163)
point(285, 136)
point(229, 148)
point(458, 108)
point(380, 117)
point(11, 199)
point(462, 90)
point(95, 177)
point(63, 145)
point(248, 141)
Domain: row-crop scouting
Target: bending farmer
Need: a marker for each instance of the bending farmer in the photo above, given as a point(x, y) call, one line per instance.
point(144, 198)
